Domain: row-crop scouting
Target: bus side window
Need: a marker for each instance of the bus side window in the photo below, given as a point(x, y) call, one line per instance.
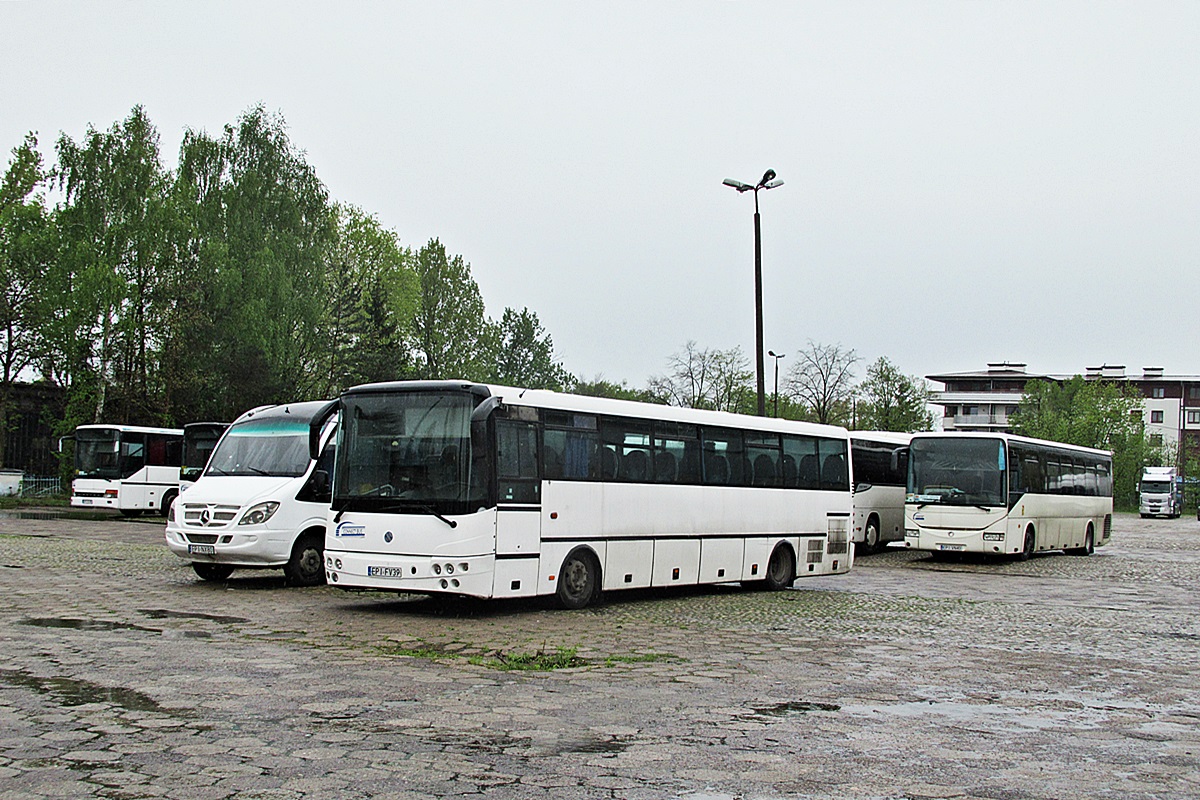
point(517, 460)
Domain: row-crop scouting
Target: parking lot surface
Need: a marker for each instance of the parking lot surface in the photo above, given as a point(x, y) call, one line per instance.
point(122, 675)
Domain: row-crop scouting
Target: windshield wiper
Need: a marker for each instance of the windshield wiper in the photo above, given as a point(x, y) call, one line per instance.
point(394, 505)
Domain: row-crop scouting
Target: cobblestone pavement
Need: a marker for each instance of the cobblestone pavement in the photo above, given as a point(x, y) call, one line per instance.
point(124, 676)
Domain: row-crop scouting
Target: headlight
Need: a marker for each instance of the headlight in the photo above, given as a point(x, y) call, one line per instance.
point(259, 514)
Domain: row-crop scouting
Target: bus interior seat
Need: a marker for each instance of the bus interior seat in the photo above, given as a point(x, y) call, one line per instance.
point(635, 466)
point(764, 471)
point(834, 475)
point(608, 464)
point(664, 467)
point(788, 466)
point(809, 474)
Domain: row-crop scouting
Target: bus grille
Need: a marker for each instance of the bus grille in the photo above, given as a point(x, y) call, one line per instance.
point(816, 551)
point(203, 515)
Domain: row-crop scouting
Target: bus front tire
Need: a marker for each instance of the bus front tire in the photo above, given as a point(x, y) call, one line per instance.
point(306, 567)
point(212, 572)
point(781, 569)
point(167, 502)
point(1029, 545)
point(578, 580)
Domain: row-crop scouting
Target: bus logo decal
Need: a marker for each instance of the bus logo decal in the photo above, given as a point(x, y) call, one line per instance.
point(349, 529)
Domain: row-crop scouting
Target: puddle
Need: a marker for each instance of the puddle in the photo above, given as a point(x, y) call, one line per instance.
point(86, 625)
point(597, 746)
point(71, 692)
point(162, 613)
point(88, 516)
point(793, 707)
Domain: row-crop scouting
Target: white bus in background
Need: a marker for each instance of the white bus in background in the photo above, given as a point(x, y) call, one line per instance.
point(128, 468)
point(880, 460)
point(1006, 495)
point(261, 501)
point(495, 492)
point(199, 439)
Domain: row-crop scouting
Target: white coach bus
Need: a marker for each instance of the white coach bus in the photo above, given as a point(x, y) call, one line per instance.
point(128, 468)
point(880, 460)
point(487, 491)
point(1006, 495)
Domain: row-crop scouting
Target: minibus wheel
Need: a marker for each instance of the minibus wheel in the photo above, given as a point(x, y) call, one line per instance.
point(306, 567)
point(212, 572)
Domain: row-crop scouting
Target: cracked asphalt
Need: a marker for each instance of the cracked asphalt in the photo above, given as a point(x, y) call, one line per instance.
point(122, 675)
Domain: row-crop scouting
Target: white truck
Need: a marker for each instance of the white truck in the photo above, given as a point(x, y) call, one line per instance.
point(1160, 493)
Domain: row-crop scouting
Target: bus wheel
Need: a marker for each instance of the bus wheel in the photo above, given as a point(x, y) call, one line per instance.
point(578, 580)
point(870, 542)
point(167, 502)
point(781, 569)
point(306, 567)
point(1030, 544)
point(1089, 543)
point(212, 572)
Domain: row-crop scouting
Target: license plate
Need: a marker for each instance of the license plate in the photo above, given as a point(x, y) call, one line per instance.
point(952, 547)
point(87, 501)
point(202, 549)
point(385, 572)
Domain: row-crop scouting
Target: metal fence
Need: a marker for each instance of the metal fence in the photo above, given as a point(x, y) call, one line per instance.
point(33, 486)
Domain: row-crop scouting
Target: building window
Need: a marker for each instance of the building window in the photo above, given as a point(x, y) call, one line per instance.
point(1194, 392)
point(1156, 417)
point(1158, 391)
point(1193, 417)
point(1156, 440)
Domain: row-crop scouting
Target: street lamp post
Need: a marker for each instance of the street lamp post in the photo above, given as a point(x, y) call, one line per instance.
point(776, 356)
point(768, 182)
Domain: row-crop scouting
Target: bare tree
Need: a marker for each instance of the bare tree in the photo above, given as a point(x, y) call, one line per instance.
point(705, 378)
point(822, 378)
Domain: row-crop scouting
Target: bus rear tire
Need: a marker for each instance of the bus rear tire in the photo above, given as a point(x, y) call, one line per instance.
point(781, 569)
point(212, 572)
point(306, 567)
point(578, 580)
point(1029, 545)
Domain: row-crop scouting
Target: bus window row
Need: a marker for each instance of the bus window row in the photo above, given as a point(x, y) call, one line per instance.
point(1042, 471)
point(585, 447)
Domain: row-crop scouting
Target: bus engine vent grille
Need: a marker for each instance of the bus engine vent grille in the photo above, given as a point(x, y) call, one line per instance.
point(839, 540)
point(816, 551)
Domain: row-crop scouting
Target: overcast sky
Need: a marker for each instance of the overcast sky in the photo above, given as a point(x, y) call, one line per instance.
point(964, 182)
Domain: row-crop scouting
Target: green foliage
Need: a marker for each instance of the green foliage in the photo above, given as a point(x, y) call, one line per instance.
point(26, 253)
point(449, 323)
point(599, 387)
point(1093, 413)
point(517, 351)
point(892, 401)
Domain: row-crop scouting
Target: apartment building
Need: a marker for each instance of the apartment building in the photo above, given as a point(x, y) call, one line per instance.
point(986, 400)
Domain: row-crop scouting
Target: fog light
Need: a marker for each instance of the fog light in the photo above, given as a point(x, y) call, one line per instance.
point(454, 582)
point(911, 532)
point(463, 567)
point(444, 584)
point(334, 576)
point(437, 570)
point(337, 562)
point(449, 569)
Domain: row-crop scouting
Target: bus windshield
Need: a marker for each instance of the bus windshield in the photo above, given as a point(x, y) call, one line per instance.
point(268, 446)
point(405, 451)
point(198, 444)
point(97, 454)
point(957, 471)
